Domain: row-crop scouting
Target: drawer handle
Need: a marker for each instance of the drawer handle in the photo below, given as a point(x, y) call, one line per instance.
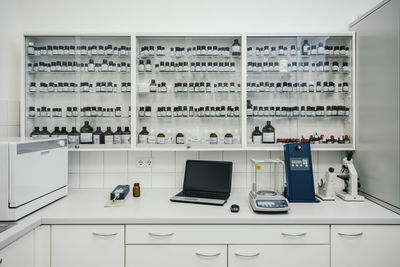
point(351, 234)
point(106, 235)
point(208, 255)
point(161, 235)
point(294, 234)
point(247, 255)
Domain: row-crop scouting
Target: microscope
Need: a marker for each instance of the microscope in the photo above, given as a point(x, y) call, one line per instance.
point(350, 177)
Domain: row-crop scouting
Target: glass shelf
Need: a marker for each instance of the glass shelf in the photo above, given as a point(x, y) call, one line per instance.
point(299, 73)
point(188, 57)
point(297, 93)
point(298, 117)
point(170, 118)
point(189, 93)
point(75, 92)
point(79, 56)
point(191, 72)
point(89, 117)
point(299, 56)
point(77, 72)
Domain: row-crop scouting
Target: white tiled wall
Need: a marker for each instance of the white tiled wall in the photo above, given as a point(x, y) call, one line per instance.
point(9, 118)
point(108, 169)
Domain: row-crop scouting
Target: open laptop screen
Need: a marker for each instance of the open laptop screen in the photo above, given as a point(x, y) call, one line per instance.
point(212, 176)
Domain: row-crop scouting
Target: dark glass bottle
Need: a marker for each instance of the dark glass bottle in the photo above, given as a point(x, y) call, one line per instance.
point(180, 138)
point(73, 137)
point(126, 136)
point(143, 136)
point(268, 134)
point(118, 136)
point(63, 132)
point(44, 133)
point(35, 133)
point(256, 136)
point(86, 134)
point(98, 137)
point(56, 133)
point(108, 136)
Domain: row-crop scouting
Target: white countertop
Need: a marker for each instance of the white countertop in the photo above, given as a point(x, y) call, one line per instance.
point(86, 206)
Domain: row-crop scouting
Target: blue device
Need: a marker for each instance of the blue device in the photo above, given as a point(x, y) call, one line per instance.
point(299, 173)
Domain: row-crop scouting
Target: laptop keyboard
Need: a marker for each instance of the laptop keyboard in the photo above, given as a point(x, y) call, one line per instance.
point(199, 194)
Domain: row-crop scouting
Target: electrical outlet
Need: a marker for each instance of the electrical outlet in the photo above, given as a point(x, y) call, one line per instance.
point(143, 162)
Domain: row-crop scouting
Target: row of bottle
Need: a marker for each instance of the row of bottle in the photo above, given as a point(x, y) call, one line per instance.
point(184, 111)
point(86, 135)
point(297, 111)
point(72, 50)
point(197, 50)
point(223, 137)
point(74, 66)
point(326, 86)
point(317, 139)
point(284, 66)
point(82, 87)
point(185, 67)
point(73, 112)
point(292, 50)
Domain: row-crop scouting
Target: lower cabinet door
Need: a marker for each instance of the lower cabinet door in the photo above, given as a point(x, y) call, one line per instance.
point(21, 253)
point(365, 245)
point(278, 255)
point(87, 245)
point(176, 255)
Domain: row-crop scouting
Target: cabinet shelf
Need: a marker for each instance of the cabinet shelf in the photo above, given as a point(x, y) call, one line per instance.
point(189, 93)
point(185, 118)
point(293, 57)
point(189, 72)
point(187, 57)
point(271, 73)
point(298, 93)
point(79, 56)
point(76, 92)
point(78, 72)
point(297, 117)
point(79, 117)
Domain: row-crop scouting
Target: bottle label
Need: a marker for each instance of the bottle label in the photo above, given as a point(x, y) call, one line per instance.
point(228, 140)
point(73, 139)
point(143, 139)
point(86, 137)
point(180, 140)
point(108, 139)
point(117, 139)
point(257, 139)
point(160, 140)
point(213, 140)
point(268, 138)
point(96, 139)
point(126, 139)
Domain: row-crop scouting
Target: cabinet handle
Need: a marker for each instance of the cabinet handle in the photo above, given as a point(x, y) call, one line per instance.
point(350, 234)
point(161, 235)
point(247, 255)
point(99, 234)
point(294, 234)
point(1, 260)
point(208, 255)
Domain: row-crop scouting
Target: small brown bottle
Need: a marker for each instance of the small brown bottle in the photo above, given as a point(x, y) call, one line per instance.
point(136, 190)
point(213, 138)
point(228, 138)
point(180, 138)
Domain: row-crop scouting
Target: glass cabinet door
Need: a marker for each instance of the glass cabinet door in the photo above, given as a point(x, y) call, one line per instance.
point(300, 89)
point(188, 92)
point(78, 86)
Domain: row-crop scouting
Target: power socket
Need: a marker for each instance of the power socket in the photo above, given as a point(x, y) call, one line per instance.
point(144, 162)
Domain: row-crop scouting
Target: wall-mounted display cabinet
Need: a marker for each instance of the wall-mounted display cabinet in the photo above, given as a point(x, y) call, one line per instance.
point(190, 92)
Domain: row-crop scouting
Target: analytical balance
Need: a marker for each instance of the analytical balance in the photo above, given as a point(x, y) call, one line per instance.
point(268, 184)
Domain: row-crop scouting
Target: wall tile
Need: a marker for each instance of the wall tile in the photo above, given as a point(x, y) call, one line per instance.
point(91, 162)
point(73, 162)
point(91, 180)
point(210, 155)
point(3, 131)
point(181, 158)
point(73, 180)
point(111, 180)
point(163, 179)
point(179, 177)
point(115, 162)
point(238, 158)
point(13, 131)
point(239, 179)
point(13, 113)
point(3, 113)
point(144, 179)
point(133, 158)
point(163, 161)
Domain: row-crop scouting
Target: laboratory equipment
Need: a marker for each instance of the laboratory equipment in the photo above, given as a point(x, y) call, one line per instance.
point(326, 186)
point(350, 177)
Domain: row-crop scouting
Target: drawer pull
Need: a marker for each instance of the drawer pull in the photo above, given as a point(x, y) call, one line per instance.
point(351, 234)
point(207, 254)
point(106, 235)
point(247, 255)
point(161, 235)
point(294, 234)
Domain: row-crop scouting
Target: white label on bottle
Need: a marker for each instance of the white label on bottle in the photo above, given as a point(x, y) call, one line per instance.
point(108, 139)
point(143, 139)
point(126, 139)
point(257, 139)
point(213, 140)
point(72, 139)
point(86, 137)
point(228, 140)
point(96, 139)
point(180, 140)
point(160, 140)
point(268, 137)
point(117, 139)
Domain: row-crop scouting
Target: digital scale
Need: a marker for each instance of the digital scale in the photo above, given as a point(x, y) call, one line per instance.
point(266, 195)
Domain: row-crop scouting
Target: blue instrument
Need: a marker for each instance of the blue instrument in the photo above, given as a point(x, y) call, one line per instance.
point(299, 173)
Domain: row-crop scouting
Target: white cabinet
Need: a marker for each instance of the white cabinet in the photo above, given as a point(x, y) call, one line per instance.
point(20, 253)
point(278, 255)
point(87, 245)
point(176, 255)
point(365, 245)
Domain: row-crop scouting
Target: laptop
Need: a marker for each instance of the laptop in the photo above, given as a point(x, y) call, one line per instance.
point(206, 182)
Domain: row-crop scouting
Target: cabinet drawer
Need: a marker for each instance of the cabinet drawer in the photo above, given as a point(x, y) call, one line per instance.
point(227, 234)
point(176, 255)
point(87, 245)
point(278, 255)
